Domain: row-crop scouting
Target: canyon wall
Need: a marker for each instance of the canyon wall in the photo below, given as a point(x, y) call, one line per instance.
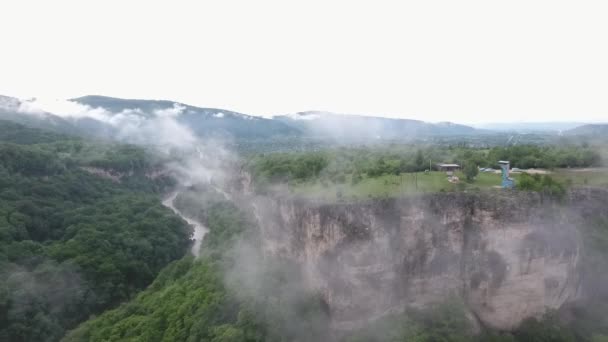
point(510, 255)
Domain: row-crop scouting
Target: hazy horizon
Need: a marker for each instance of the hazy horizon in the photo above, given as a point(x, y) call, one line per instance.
point(466, 62)
point(58, 106)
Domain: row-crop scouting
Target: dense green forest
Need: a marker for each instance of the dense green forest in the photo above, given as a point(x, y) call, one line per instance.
point(11, 132)
point(73, 244)
point(194, 300)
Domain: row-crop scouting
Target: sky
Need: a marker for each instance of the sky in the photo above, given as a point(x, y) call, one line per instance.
point(460, 61)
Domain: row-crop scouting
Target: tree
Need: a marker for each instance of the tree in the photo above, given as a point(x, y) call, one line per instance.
point(419, 161)
point(470, 170)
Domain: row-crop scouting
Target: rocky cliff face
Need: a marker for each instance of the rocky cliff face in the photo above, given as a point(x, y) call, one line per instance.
point(509, 255)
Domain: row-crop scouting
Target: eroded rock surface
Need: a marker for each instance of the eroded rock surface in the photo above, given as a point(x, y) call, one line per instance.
point(510, 255)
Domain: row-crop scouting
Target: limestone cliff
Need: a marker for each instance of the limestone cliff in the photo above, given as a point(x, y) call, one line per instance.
point(509, 255)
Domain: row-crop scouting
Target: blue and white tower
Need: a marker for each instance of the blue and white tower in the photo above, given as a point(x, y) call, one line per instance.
point(507, 182)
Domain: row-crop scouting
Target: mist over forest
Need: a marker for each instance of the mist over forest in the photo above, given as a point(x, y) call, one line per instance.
point(145, 220)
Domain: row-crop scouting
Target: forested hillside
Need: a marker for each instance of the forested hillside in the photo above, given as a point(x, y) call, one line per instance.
point(592, 130)
point(194, 300)
point(11, 132)
point(202, 121)
point(73, 244)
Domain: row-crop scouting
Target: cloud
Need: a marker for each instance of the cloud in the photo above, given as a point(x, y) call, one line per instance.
point(196, 160)
point(133, 125)
point(62, 108)
point(174, 111)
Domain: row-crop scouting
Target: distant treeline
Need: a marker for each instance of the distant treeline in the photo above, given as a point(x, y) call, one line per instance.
point(530, 156)
point(374, 162)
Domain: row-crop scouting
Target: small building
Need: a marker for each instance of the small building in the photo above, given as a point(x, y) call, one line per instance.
point(448, 168)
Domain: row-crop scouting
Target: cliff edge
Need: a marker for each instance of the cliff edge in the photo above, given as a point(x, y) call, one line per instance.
point(510, 255)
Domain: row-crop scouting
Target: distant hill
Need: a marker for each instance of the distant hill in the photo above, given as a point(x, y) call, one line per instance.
point(11, 110)
point(528, 127)
point(357, 127)
point(202, 121)
point(214, 121)
point(596, 130)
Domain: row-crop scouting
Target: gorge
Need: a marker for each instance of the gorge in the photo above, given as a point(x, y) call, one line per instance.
point(508, 255)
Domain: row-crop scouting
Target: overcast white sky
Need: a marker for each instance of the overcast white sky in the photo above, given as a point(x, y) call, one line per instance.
point(462, 61)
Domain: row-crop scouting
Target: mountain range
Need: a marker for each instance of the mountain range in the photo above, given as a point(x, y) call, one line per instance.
point(104, 116)
point(354, 127)
point(593, 130)
point(531, 127)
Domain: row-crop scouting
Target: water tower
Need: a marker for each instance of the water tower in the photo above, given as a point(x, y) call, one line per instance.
point(507, 182)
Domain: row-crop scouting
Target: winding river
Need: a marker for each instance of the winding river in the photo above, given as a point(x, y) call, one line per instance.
point(199, 229)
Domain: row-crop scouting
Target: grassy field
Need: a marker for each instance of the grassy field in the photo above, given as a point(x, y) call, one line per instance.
point(392, 185)
point(413, 183)
point(591, 177)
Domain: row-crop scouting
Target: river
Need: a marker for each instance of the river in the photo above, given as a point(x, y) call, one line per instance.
point(199, 229)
